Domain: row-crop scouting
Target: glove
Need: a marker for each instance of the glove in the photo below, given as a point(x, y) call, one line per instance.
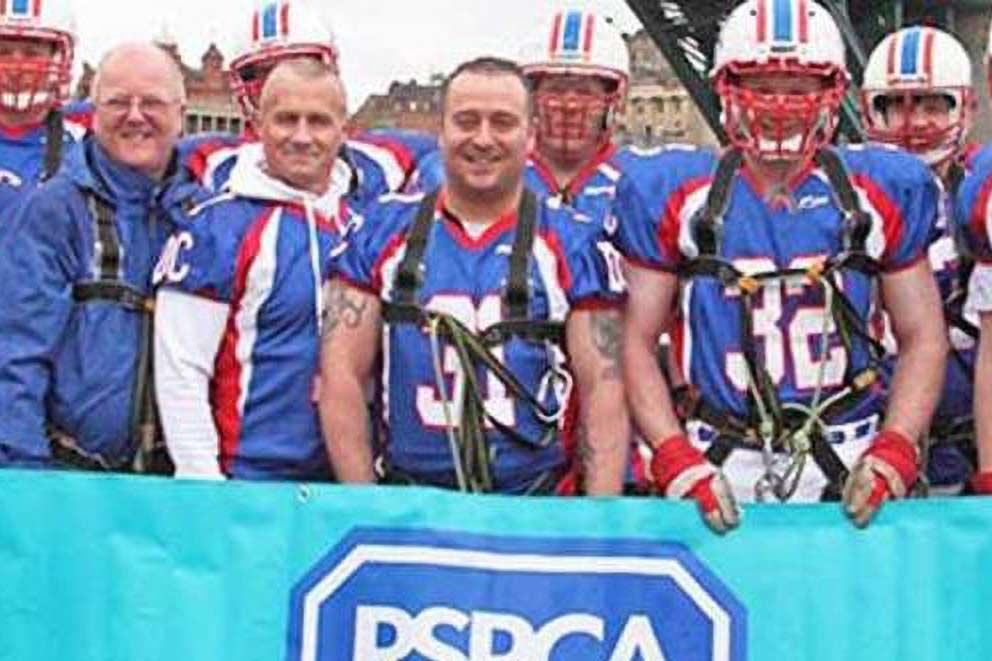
point(981, 483)
point(886, 470)
point(681, 471)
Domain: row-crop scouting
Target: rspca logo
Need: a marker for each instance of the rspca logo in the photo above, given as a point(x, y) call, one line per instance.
point(384, 595)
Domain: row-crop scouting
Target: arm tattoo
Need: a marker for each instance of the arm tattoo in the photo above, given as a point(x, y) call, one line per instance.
point(586, 454)
point(341, 308)
point(606, 337)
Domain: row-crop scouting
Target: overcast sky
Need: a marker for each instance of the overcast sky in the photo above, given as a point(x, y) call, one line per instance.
point(379, 40)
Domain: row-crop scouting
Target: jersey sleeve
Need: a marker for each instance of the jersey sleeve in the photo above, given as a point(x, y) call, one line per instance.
point(429, 174)
point(972, 209)
point(590, 268)
point(905, 196)
point(647, 234)
point(367, 253)
point(203, 256)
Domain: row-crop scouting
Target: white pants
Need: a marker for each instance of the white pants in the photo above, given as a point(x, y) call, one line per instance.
point(744, 467)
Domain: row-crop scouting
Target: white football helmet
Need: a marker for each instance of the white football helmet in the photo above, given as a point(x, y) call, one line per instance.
point(795, 37)
point(279, 30)
point(37, 74)
point(579, 43)
point(909, 64)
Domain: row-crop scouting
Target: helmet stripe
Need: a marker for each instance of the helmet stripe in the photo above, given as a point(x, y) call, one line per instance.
point(254, 27)
point(803, 22)
point(573, 26)
point(928, 53)
point(910, 50)
point(269, 27)
point(890, 64)
point(19, 7)
point(762, 18)
point(783, 20)
point(555, 30)
point(36, 8)
point(590, 27)
point(3, 7)
point(284, 19)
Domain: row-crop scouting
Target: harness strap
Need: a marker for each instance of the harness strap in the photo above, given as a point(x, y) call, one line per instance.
point(707, 226)
point(517, 295)
point(410, 273)
point(54, 137)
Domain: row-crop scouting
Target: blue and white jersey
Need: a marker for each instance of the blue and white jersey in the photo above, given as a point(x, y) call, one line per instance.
point(572, 266)
point(264, 253)
point(22, 152)
point(380, 162)
point(896, 190)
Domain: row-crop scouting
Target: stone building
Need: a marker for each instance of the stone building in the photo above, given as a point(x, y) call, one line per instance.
point(410, 105)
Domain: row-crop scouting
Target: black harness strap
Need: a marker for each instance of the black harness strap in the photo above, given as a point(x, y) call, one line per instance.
point(54, 137)
point(409, 276)
point(517, 295)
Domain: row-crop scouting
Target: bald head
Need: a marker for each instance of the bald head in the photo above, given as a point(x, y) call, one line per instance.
point(148, 57)
point(306, 71)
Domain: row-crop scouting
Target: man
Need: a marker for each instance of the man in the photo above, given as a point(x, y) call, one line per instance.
point(778, 248)
point(917, 95)
point(36, 45)
point(76, 278)
point(237, 318)
point(578, 69)
point(473, 294)
point(973, 219)
point(279, 30)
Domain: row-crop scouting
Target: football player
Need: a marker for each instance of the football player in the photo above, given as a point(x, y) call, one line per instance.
point(917, 94)
point(36, 48)
point(774, 253)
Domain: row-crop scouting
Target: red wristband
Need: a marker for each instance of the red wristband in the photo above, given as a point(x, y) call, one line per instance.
point(897, 450)
point(981, 483)
point(672, 456)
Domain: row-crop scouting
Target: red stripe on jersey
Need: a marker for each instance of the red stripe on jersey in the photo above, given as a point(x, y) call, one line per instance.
point(762, 19)
point(225, 387)
point(555, 29)
point(890, 65)
point(393, 247)
point(803, 22)
point(404, 157)
point(928, 54)
point(893, 226)
point(284, 19)
point(563, 272)
point(604, 154)
point(671, 220)
point(590, 26)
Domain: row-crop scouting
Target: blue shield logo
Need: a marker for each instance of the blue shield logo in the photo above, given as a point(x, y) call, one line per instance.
point(391, 595)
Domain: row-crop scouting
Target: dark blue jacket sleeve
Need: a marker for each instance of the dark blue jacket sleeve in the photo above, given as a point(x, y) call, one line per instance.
point(39, 243)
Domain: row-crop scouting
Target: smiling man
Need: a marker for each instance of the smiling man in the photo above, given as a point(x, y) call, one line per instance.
point(76, 279)
point(476, 295)
point(238, 314)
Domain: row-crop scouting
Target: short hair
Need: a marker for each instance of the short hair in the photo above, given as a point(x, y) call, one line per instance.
point(489, 66)
point(307, 68)
point(140, 48)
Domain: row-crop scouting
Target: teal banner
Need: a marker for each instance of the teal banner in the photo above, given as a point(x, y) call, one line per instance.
point(98, 568)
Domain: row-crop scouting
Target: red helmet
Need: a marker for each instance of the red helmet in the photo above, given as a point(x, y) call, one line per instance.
point(279, 30)
point(36, 69)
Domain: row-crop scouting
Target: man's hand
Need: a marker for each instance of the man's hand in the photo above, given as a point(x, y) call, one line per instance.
point(885, 471)
point(981, 483)
point(681, 471)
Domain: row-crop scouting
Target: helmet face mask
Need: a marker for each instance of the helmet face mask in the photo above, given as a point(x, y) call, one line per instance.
point(36, 51)
point(787, 121)
point(280, 30)
point(909, 102)
point(574, 114)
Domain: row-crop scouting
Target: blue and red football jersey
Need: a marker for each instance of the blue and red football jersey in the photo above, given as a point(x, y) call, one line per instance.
point(255, 256)
point(22, 152)
point(572, 265)
point(789, 319)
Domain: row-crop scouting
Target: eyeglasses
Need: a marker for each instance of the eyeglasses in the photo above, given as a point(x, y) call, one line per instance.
point(147, 105)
